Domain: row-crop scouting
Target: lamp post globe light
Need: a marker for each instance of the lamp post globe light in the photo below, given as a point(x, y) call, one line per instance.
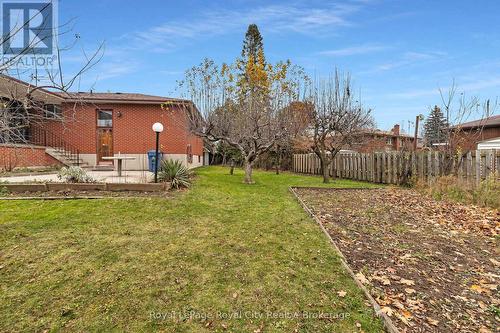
point(157, 128)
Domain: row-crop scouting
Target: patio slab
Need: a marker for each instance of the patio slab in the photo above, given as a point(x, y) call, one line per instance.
point(100, 176)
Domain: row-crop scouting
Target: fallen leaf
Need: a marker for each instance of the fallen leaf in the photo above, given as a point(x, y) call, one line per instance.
point(407, 282)
point(433, 322)
point(410, 291)
point(383, 279)
point(361, 277)
point(387, 310)
point(407, 314)
point(341, 293)
point(490, 286)
point(477, 288)
point(495, 262)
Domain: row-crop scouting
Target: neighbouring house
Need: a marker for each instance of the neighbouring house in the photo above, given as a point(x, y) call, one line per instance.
point(377, 141)
point(478, 134)
point(368, 141)
point(85, 127)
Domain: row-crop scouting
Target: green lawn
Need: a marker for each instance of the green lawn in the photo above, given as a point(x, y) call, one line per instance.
point(220, 249)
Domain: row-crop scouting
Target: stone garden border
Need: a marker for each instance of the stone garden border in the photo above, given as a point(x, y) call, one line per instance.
point(388, 324)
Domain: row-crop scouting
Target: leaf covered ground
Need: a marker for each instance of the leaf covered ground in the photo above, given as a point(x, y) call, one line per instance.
point(433, 266)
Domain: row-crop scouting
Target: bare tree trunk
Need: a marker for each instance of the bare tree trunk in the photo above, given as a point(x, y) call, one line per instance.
point(231, 171)
point(324, 170)
point(278, 163)
point(248, 172)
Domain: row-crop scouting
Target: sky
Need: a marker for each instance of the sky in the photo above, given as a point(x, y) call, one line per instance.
point(399, 53)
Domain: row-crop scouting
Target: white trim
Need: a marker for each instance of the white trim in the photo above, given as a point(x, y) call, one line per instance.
point(489, 144)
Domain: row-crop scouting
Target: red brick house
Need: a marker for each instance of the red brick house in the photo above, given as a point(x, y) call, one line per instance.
point(369, 141)
point(89, 126)
point(473, 135)
point(378, 140)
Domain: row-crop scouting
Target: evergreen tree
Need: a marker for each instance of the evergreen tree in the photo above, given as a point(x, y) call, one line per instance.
point(436, 127)
point(252, 44)
point(253, 69)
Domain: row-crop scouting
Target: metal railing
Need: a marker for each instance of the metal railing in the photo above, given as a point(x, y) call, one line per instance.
point(42, 137)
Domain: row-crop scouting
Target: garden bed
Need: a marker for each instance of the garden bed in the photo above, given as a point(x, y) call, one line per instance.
point(432, 266)
point(79, 187)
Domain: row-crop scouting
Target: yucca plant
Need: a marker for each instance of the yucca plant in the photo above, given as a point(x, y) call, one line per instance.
point(175, 172)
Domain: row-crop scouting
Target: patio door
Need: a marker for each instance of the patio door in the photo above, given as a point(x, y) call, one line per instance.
point(104, 134)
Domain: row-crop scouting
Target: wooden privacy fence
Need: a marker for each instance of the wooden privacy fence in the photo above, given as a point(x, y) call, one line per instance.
point(401, 167)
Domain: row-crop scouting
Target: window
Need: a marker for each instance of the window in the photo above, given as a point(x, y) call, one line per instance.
point(189, 154)
point(52, 111)
point(389, 141)
point(104, 118)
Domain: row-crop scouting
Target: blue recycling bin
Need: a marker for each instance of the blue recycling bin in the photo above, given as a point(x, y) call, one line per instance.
point(151, 159)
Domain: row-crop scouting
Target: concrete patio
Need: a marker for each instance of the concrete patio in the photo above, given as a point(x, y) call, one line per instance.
point(100, 176)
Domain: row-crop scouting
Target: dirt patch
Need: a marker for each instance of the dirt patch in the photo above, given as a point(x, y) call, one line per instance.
point(432, 266)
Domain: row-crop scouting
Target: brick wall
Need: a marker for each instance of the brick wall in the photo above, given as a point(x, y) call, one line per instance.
point(468, 139)
point(21, 156)
point(132, 133)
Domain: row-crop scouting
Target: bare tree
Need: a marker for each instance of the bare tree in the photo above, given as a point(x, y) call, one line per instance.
point(250, 119)
point(298, 115)
point(336, 120)
point(459, 108)
point(24, 105)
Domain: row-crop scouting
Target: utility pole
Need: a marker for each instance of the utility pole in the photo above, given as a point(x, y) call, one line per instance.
point(417, 120)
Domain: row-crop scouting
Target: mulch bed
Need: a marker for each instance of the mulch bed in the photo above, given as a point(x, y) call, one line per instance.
point(433, 266)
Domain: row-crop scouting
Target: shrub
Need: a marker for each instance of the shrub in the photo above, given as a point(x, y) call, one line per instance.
point(175, 172)
point(487, 193)
point(3, 190)
point(74, 174)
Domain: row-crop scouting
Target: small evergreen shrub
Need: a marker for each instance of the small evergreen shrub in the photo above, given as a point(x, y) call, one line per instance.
point(175, 172)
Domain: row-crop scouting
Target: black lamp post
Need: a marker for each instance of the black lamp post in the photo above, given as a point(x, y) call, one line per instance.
point(157, 128)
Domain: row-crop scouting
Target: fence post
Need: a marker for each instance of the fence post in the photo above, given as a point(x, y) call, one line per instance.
point(429, 167)
point(478, 167)
point(468, 167)
point(414, 165)
point(363, 166)
point(487, 166)
point(421, 165)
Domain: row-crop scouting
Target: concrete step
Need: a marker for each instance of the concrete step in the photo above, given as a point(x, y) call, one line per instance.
point(102, 168)
point(59, 155)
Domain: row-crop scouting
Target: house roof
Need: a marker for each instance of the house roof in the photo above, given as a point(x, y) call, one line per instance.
point(387, 133)
point(493, 121)
point(116, 98)
point(12, 87)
